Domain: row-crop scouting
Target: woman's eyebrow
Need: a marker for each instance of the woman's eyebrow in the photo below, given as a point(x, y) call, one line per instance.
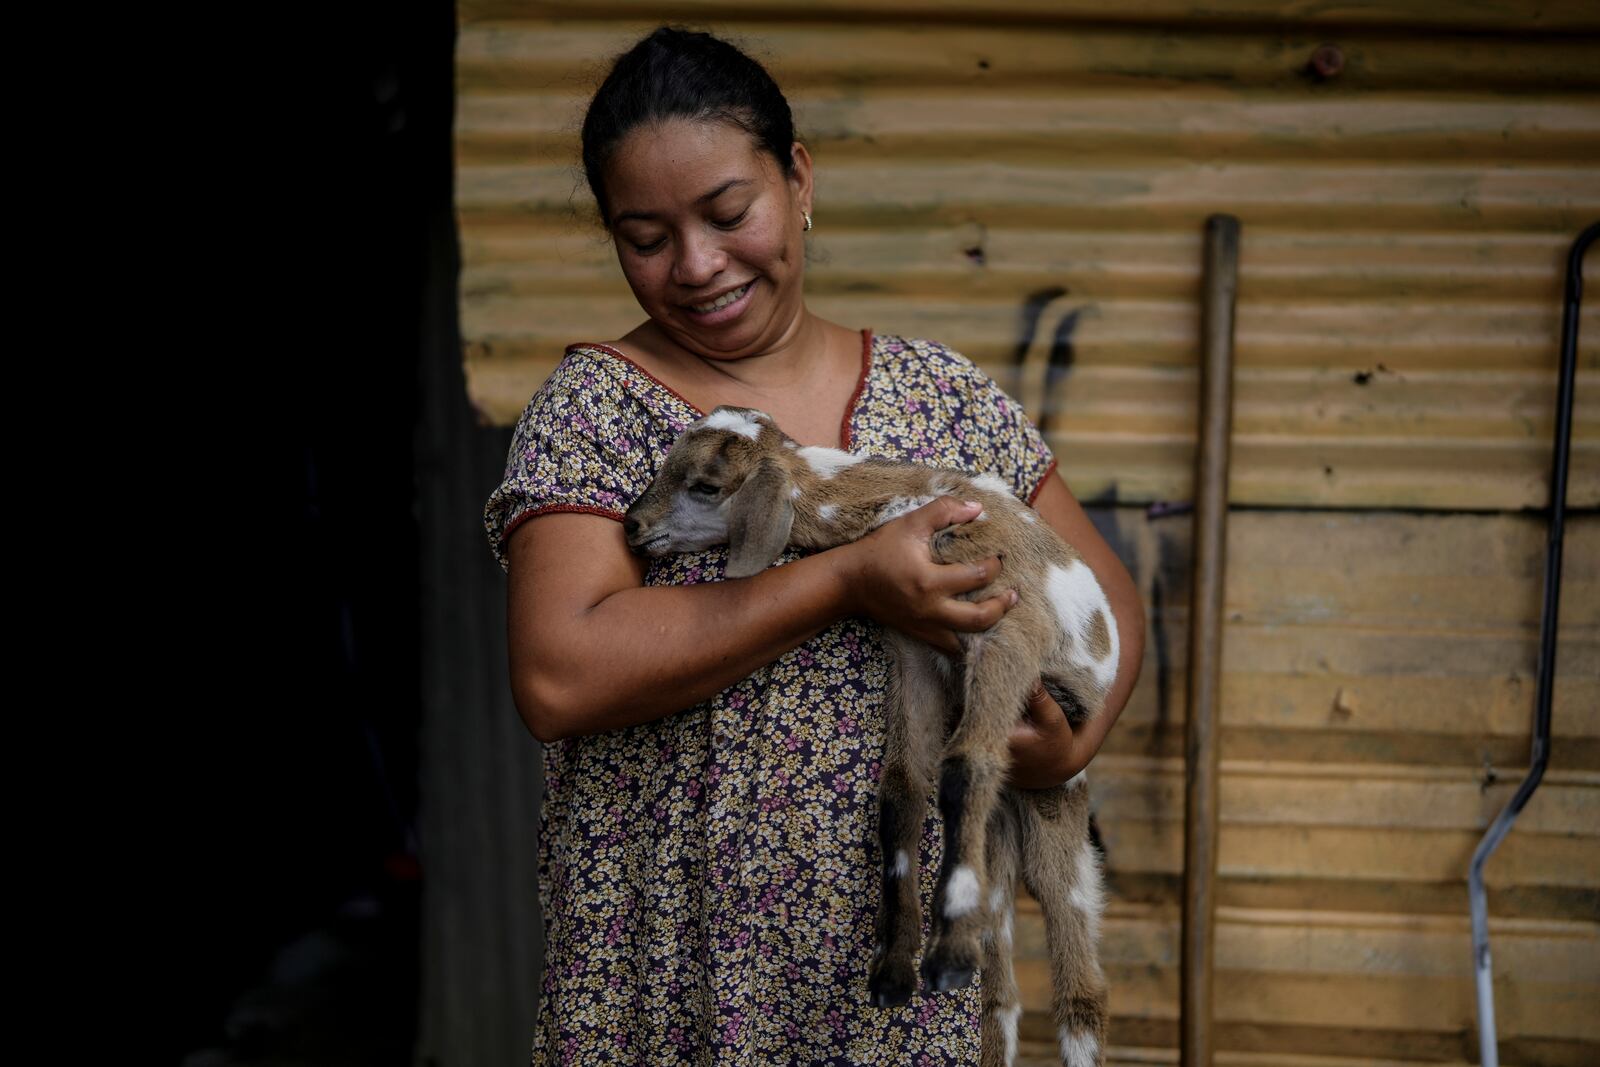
point(724, 187)
point(651, 216)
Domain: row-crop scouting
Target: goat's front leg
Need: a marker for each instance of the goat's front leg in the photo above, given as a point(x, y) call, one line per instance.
point(913, 736)
point(998, 681)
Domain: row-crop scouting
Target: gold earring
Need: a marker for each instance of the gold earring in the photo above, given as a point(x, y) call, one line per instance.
point(808, 221)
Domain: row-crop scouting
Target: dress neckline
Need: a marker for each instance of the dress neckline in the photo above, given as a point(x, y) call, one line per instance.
point(846, 434)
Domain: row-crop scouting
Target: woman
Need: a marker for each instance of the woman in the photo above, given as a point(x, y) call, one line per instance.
point(708, 850)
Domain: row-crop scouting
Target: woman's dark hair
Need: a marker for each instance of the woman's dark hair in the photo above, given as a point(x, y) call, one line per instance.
point(676, 73)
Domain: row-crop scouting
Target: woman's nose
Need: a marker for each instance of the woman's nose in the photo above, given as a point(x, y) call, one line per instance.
point(699, 260)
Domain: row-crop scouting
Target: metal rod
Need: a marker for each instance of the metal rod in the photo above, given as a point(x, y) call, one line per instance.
point(1488, 1044)
point(1220, 284)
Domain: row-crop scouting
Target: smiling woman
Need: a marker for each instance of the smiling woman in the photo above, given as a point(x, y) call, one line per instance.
point(708, 848)
point(710, 237)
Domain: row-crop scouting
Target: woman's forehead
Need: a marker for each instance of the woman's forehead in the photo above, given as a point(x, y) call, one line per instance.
point(680, 163)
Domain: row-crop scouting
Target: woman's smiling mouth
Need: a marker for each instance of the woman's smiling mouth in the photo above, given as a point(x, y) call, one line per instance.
point(724, 307)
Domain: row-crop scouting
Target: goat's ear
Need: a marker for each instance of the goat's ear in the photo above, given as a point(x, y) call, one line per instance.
point(760, 516)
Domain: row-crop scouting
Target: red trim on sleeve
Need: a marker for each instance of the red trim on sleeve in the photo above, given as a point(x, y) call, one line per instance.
point(1042, 479)
point(585, 509)
point(861, 387)
point(612, 351)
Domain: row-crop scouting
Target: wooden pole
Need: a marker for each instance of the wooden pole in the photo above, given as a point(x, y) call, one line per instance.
point(1220, 284)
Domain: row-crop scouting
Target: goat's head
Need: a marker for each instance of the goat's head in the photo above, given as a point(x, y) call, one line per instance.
point(722, 482)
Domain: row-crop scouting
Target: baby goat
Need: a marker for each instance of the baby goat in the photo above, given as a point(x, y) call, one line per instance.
point(733, 477)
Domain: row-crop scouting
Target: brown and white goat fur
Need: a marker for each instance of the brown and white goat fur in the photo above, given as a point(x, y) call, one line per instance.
point(733, 477)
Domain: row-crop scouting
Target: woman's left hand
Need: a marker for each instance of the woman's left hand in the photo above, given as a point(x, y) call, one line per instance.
point(1041, 744)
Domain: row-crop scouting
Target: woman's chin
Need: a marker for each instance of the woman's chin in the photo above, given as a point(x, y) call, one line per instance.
point(719, 344)
point(750, 334)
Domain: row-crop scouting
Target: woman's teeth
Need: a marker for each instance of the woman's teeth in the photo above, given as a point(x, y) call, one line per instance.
point(722, 301)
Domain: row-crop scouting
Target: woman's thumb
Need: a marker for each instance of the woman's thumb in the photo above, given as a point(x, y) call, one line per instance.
point(947, 511)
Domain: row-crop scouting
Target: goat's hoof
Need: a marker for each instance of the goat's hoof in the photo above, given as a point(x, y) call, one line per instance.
point(887, 991)
point(945, 975)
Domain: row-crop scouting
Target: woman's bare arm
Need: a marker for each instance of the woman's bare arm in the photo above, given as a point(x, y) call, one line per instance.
point(593, 649)
point(1044, 750)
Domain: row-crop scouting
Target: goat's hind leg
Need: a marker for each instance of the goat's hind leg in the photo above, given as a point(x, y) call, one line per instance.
point(999, 679)
point(1002, 1001)
point(1061, 868)
point(914, 734)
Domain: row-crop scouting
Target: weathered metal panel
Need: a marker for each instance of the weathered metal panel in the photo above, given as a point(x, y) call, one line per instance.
point(1377, 701)
point(1002, 188)
point(1031, 190)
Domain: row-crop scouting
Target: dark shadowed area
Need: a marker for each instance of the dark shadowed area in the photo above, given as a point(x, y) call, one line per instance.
point(295, 888)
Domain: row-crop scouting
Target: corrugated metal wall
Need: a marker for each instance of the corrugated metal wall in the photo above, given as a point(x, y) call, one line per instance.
point(1030, 189)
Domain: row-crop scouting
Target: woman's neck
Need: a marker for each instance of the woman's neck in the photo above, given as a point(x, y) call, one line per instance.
point(807, 382)
point(813, 352)
point(796, 358)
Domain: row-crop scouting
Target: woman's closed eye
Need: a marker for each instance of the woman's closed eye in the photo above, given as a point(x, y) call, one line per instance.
point(728, 224)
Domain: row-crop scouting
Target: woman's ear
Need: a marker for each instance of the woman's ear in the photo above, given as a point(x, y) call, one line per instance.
point(800, 176)
point(760, 515)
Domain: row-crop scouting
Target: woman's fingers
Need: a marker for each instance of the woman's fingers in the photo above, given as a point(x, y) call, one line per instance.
point(1041, 744)
point(953, 578)
point(941, 512)
point(900, 585)
point(972, 616)
point(975, 616)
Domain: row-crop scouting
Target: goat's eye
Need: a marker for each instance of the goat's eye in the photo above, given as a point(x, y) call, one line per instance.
point(704, 489)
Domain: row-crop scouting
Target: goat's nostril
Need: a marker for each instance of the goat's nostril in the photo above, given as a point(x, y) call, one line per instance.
point(630, 526)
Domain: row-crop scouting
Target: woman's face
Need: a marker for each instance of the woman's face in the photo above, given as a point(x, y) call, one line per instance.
point(700, 213)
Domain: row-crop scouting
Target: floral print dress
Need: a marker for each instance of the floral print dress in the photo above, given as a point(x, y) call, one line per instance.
point(709, 880)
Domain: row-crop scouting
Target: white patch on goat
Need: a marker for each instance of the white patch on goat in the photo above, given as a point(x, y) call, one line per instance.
point(1087, 894)
point(732, 421)
point(827, 461)
point(902, 864)
point(994, 483)
point(1082, 776)
point(901, 505)
point(794, 493)
point(1030, 516)
point(791, 444)
point(961, 894)
point(1007, 1018)
point(997, 901)
point(1076, 597)
point(1006, 922)
point(827, 512)
point(1078, 1050)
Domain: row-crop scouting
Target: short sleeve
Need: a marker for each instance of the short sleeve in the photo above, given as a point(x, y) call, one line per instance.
point(579, 446)
point(1003, 440)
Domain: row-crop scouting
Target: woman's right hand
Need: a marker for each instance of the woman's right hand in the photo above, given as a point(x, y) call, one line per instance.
point(894, 580)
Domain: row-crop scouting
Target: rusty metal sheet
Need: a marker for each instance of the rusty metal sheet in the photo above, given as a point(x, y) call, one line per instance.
point(1033, 197)
point(1377, 699)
